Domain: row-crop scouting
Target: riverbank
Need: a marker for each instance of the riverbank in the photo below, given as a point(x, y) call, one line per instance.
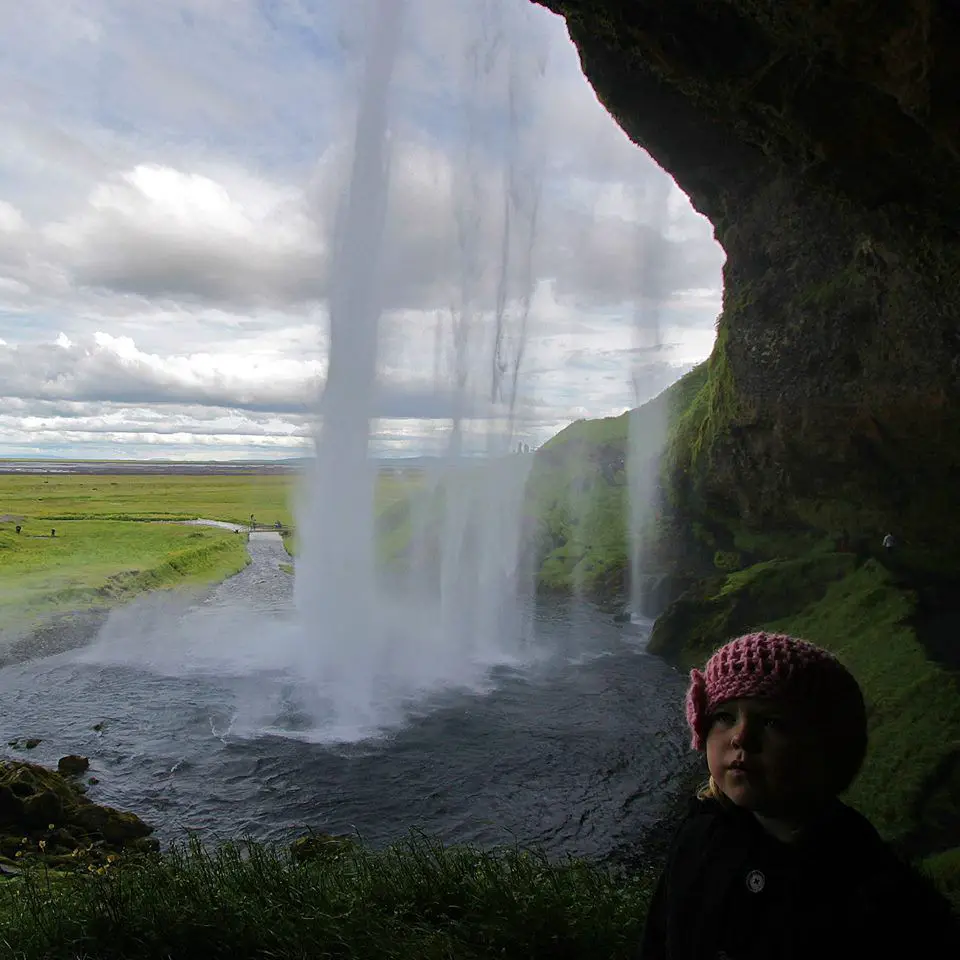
point(60, 582)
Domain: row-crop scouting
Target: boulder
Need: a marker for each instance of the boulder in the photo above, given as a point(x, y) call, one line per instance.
point(38, 805)
point(72, 765)
point(321, 847)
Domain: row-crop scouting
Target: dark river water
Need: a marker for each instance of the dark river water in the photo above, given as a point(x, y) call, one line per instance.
point(575, 751)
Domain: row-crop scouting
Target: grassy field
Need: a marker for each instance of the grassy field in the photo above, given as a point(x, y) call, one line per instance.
point(154, 497)
point(101, 562)
point(231, 498)
point(106, 548)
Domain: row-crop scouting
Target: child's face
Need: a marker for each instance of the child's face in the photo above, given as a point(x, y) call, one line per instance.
point(767, 758)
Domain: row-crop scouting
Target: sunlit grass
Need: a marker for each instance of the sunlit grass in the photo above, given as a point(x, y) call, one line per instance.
point(96, 562)
point(106, 550)
point(232, 498)
point(155, 497)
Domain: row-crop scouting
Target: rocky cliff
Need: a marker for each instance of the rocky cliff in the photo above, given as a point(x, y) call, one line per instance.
point(823, 142)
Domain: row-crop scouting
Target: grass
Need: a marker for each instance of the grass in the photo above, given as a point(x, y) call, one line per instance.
point(153, 497)
point(94, 562)
point(416, 899)
point(107, 549)
point(945, 870)
point(231, 498)
point(578, 494)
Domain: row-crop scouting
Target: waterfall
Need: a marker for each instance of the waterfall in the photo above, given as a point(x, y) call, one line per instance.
point(375, 643)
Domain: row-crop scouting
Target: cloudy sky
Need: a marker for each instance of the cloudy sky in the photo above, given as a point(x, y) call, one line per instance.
point(170, 178)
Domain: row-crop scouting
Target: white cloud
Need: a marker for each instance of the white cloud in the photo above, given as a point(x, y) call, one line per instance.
point(162, 233)
point(169, 178)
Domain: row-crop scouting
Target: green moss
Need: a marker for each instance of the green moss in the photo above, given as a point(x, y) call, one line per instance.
point(45, 816)
point(944, 868)
point(706, 413)
point(728, 560)
point(721, 607)
point(913, 703)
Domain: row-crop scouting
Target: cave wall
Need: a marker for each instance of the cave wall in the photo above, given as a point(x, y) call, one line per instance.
point(822, 140)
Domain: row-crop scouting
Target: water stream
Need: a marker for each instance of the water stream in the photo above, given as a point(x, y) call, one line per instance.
point(200, 730)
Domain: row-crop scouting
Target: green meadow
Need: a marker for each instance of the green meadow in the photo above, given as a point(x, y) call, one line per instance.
point(147, 497)
point(111, 543)
point(100, 562)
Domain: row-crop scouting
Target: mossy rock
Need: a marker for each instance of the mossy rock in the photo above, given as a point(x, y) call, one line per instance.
point(40, 806)
point(321, 847)
point(944, 868)
point(719, 608)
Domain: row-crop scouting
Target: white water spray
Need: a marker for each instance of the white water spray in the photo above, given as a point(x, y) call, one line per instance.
point(647, 435)
point(337, 551)
point(458, 609)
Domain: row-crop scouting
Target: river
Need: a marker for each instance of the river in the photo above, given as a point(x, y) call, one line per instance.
point(576, 752)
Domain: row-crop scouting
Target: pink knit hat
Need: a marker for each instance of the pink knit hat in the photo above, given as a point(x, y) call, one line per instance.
point(774, 665)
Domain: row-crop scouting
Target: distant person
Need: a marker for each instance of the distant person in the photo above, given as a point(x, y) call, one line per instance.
point(17, 528)
point(768, 862)
point(53, 533)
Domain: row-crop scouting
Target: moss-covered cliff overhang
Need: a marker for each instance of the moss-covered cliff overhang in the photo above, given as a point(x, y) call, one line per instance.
point(823, 142)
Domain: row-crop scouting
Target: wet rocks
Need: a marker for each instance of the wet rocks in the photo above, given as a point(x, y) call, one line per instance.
point(44, 814)
point(72, 765)
point(321, 847)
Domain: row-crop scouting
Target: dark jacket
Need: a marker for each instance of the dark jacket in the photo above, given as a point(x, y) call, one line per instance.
point(729, 891)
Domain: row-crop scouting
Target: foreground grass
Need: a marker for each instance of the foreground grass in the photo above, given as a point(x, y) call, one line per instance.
point(100, 562)
point(416, 899)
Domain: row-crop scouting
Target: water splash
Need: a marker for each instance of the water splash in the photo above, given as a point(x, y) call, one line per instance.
point(646, 434)
point(374, 644)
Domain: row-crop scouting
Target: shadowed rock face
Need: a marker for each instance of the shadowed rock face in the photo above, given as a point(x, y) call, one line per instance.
point(823, 142)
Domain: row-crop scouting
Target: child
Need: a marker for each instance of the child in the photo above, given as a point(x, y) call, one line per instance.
point(769, 864)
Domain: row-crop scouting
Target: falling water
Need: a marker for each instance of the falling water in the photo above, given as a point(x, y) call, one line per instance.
point(376, 643)
point(646, 434)
point(479, 502)
point(336, 549)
